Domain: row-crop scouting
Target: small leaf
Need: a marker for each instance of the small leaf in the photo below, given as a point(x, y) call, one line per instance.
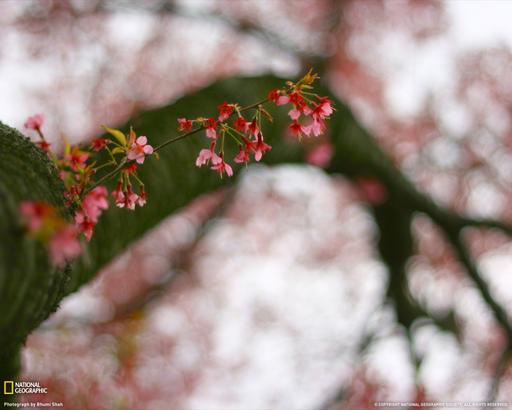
point(133, 135)
point(118, 135)
point(117, 150)
point(67, 146)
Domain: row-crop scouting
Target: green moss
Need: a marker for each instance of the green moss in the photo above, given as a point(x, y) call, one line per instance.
point(30, 288)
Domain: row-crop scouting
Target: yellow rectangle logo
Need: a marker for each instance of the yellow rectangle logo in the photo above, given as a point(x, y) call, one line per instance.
point(8, 387)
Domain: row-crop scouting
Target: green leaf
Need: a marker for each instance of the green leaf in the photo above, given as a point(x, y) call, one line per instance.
point(118, 135)
point(117, 150)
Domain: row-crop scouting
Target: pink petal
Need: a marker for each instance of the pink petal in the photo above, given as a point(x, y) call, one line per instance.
point(294, 114)
point(204, 155)
point(210, 133)
point(282, 100)
point(216, 159)
point(142, 140)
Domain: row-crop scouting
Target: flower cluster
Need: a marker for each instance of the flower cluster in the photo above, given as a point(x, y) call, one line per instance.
point(119, 156)
point(246, 131)
point(88, 198)
point(44, 224)
point(90, 209)
point(133, 150)
point(35, 123)
point(314, 108)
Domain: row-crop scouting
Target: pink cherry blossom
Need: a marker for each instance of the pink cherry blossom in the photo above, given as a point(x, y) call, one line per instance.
point(64, 246)
point(34, 214)
point(141, 200)
point(34, 122)
point(45, 146)
point(94, 203)
point(298, 130)
point(118, 196)
point(294, 114)
point(84, 225)
point(206, 155)
point(225, 111)
point(91, 208)
point(222, 166)
point(320, 155)
point(273, 95)
point(241, 124)
point(185, 125)
point(139, 149)
point(242, 156)
point(130, 199)
point(76, 158)
point(297, 99)
point(282, 100)
point(260, 147)
point(371, 190)
point(306, 110)
point(253, 128)
point(324, 108)
point(316, 128)
point(98, 144)
point(211, 124)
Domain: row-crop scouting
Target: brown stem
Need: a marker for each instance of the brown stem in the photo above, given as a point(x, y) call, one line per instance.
point(106, 176)
point(40, 133)
point(179, 137)
point(162, 145)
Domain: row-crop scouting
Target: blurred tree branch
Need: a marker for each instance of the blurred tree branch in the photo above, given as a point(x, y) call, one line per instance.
point(499, 312)
point(358, 155)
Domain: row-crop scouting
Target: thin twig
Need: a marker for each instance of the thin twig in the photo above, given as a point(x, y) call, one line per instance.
point(499, 312)
point(487, 223)
point(500, 370)
point(107, 176)
point(179, 137)
point(119, 168)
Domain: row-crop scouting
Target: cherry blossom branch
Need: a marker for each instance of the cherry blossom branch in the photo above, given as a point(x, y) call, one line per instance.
point(202, 127)
point(127, 151)
point(178, 138)
point(124, 162)
point(107, 176)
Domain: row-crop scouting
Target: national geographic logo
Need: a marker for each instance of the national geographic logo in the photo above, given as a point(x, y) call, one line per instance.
point(8, 387)
point(11, 387)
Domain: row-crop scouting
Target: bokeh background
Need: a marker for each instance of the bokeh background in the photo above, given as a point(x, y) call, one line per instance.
point(280, 301)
